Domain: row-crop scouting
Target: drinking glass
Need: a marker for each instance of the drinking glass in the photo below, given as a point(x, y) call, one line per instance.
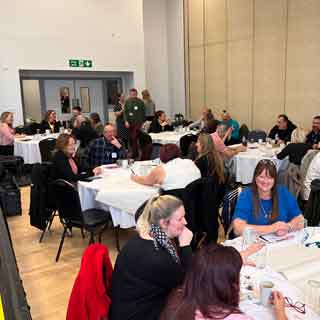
point(313, 295)
point(249, 237)
point(302, 234)
point(261, 257)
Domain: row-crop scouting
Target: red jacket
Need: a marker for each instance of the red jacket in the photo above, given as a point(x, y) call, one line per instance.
point(89, 298)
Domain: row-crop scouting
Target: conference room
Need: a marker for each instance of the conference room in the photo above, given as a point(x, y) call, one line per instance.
point(159, 159)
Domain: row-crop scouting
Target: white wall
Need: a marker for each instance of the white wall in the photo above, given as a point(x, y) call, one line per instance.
point(44, 35)
point(164, 53)
point(156, 52)
point(175, 31)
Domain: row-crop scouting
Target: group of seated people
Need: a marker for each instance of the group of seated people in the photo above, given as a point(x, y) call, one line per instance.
point(156, 276)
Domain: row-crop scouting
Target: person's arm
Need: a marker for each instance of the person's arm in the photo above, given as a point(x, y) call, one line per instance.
point(196, 124)
point(118, 110)
point(285, 152)
point(279, 306)
point(231, 152)
point(156, 176)
point(8, 133)
point(273, 132)
point(240, 225)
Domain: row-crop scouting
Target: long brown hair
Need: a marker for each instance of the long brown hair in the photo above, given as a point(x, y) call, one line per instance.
point(63, 141)
point(271, 170)
point(47, 115)
point(215, 163)
point(211, 286)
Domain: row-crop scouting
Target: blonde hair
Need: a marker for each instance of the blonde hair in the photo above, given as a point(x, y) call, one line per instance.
point(208, 149)
point(146, 95)
point(298, 135)
point(157, 208)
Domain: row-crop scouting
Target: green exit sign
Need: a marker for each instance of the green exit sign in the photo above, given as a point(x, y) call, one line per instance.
point(80, 63)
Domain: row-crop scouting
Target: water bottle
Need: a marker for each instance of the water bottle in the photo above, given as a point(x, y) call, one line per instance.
point(244, 141)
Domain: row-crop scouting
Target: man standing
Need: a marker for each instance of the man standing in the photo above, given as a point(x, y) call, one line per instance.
point(134, 115)
point(313, 137)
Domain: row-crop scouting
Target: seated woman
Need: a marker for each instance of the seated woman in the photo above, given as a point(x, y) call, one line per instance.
point(267, 207)
point(173, 173)
point(150, 265)
point(211, 289)
point(64, 165)
point(297, 149)
point(160, 123)
point(96, 123)
point(50, 122)
point(7, 133)
point(209, 161)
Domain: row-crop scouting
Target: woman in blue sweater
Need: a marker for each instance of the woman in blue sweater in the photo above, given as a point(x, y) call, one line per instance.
point(265, 206)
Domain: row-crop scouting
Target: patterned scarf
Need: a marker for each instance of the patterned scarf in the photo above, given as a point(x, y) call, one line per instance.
point(162, 240)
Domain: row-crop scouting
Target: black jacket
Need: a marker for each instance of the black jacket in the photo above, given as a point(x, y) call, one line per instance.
point(85, 134)
point(62, 169)
point(295, 151)
point(155, 127)
point(45, 126)
point(284, 135)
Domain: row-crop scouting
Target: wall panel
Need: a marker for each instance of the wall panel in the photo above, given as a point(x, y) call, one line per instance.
point(195, 20)
point(196, 62)
point(303, 64)
point(215, 21)
point(269, 61)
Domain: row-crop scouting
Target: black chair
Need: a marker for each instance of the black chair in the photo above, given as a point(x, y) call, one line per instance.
point(243, 132)
point(185, 143)
point(228, 206)
point(155, 154)
point(145, 146)
point(312, 210)
point(68, 204)
point(46, 147)
point(256, 135)
point(202, 201)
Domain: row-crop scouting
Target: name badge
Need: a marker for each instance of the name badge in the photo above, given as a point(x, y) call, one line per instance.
point(135, 107)
point(130, 114)
point(114, 155)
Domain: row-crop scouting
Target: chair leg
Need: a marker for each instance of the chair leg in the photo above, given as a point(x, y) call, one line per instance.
point(43, 232)
point(82, 233)
point(91, 238)
point(61, 243)
point(51, 220)
point(116, 233)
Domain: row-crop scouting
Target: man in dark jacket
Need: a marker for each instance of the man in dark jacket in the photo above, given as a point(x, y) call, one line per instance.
point(134, 116)
point(313, 137)
point(282, 130)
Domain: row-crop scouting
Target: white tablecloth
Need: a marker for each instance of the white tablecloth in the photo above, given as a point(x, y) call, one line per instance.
point(116, 192)
point(29, 150)
point(289, 267)
point(246, 162)
point(169, 136)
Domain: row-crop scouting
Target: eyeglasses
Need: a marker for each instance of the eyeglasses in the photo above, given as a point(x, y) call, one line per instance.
point(297, 306)
point(267, 161)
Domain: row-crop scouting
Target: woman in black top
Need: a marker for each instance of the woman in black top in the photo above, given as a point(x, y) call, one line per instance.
point(209, 161)
point(150, 265)
point(160, 123)
point(50, 122)
point(297, 149)
point(64, 165)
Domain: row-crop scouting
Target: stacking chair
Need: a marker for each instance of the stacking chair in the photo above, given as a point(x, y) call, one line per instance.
point(46, 147)
point(185, 143)
point(68, 204)
point(256, 135)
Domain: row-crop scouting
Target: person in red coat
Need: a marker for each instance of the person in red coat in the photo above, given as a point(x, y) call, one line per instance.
point(90, 298)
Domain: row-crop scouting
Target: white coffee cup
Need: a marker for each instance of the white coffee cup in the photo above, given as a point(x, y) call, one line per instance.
point(260, 141)
point(47, 131)
point(124, 163)
point(266, 288)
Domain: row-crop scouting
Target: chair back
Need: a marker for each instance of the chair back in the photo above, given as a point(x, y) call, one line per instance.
point(202, 201)
point(185, 143)
point(67, 200)
point(256, 135)
point(312, 211)
point(228, 207)
point(145, 145)
point(243, 131)
point(46, 147)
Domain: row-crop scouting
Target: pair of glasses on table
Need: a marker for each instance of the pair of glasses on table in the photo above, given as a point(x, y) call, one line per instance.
point(297, 306)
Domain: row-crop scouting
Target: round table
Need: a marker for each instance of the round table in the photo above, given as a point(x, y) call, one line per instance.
point(289, 267)
point(169, 136)
point(28, 147)
point(116, 192)
point(244, 163)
